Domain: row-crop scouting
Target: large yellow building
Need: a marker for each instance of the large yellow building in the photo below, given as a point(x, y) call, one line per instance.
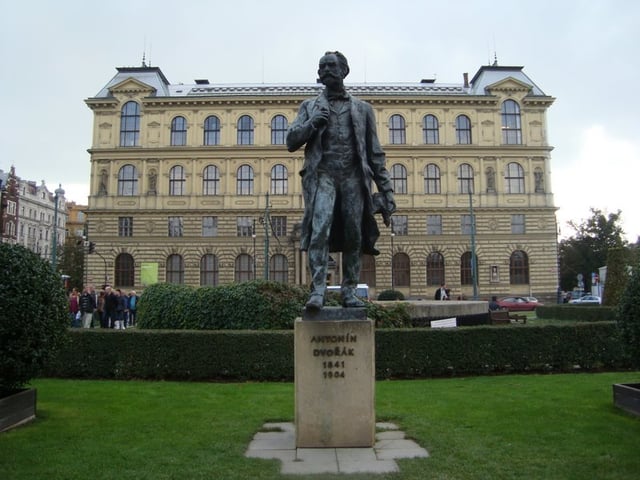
point(192, 183)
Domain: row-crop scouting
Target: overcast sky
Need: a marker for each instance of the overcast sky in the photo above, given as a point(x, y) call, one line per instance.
point(54, 55)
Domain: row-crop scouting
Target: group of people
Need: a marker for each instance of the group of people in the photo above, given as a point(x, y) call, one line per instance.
point(111, 308)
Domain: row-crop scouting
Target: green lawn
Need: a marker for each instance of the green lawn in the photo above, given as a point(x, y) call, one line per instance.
point(524, 427)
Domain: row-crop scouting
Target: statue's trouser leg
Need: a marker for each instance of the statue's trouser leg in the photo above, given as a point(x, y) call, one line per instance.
point(352, 205)
point(320, 229)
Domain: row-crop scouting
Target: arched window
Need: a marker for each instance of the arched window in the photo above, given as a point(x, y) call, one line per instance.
point(431, 130)
point(212, 130)
point(209, 273)
point(514, 179)
point(125, 270)
point(210, 180)
point(178, 132)
point(511, 129)
point(279, 180)
point(435, 269)
point(130, 125)
point(128, 180)
point(243, 271)
point(463, 130)
point(245, 130)
point(399, 179)
point(465, 178)
point(432, 179)
point(175, 269)
point(177, 180)
point(368, 270)
point(397, 131)
point(244, 181)
point(466, 272)
point(519, 268)
point(401, 270)
point(279, 125)
point(279, 268)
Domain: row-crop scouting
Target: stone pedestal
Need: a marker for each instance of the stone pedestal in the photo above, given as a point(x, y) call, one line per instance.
point(335, 379)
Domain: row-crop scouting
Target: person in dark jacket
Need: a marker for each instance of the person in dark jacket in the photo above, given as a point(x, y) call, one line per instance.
point(87, 306)
point(110, 306)
point(121, 309)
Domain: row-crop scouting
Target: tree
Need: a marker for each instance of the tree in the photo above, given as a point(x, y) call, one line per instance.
point(72, 262)
point(588, 249)
point(617, 276)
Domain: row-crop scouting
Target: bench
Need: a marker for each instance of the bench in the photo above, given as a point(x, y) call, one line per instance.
point(503, 317)
point(499, 317)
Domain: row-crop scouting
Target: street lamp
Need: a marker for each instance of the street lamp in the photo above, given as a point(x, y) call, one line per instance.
point(474, 270)
point(54, 248)
point(392, 250)
point(253, 236)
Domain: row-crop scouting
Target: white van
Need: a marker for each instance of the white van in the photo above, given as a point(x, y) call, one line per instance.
point(362, 290)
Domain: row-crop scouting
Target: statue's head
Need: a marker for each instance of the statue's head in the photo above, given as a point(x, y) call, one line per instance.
point(333, 65)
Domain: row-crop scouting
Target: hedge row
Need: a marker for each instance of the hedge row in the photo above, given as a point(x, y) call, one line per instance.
point(400, 353)
point(578, 313)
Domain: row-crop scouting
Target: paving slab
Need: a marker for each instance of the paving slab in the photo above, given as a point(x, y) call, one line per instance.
point(277, 441)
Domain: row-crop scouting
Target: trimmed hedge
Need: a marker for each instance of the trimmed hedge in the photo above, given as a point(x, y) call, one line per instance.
point(400, 353)
point(577, 313)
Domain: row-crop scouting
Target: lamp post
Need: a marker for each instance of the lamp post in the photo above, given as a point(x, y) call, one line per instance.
point(253, 236)
point(392, 250)
point(474, 272)
point(54, 248)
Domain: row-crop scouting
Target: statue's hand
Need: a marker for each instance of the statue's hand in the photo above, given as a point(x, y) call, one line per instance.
point(390, 202)
point(320, 117)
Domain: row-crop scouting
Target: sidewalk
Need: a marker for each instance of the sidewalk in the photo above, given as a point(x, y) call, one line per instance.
point(277, 441)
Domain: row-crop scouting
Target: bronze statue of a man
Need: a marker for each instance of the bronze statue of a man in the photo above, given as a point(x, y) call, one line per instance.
point(342, 157)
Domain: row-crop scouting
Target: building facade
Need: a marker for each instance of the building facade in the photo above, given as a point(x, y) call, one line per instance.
point(192, 183)
point(29, 214)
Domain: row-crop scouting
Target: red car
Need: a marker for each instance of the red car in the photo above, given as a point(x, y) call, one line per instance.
point(518, 304)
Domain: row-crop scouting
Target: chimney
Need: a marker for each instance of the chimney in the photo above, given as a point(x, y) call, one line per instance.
point(465, 75)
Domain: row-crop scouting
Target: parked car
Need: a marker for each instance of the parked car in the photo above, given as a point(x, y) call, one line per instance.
point(587, 300)
point(518, 304)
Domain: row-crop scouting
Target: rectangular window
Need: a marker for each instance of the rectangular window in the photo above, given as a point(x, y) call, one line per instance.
point(517, 224)
point(279, 226)
point(209, 226)
point(244, 226)
point(465, 224)
point(434, 224)
point(175, 226)
point(400, 225)
point(11, 208)
point(125, 226)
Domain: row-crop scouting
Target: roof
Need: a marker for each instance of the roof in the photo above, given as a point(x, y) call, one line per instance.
point(490, 74)
point(153, 76)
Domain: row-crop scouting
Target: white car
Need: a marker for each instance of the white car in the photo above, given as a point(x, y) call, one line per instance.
point(587, 300)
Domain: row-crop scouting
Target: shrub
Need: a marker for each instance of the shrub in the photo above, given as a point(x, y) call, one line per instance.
point(395, 315)
point(252, 305)
point(628, 316)
point(34, 315)
point(388, 295)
